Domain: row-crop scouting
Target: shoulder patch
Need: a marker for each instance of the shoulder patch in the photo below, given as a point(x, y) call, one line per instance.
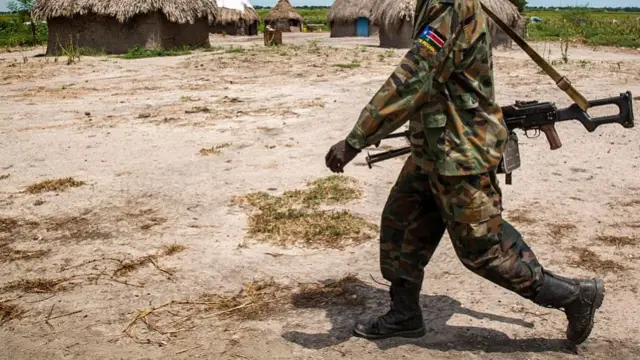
point(432, 39)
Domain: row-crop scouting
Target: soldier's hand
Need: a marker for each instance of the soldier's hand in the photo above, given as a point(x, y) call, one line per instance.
point(340, 155)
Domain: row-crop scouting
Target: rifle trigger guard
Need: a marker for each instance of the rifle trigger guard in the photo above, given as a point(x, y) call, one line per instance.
point(536, 133)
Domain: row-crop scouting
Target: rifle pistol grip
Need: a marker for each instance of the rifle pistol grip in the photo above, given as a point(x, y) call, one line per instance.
point(552, 136)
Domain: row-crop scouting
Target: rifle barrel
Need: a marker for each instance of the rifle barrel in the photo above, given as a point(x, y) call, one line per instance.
point(371, 159)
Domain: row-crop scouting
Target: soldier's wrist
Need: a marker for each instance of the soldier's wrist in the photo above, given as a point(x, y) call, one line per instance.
point(357, 142)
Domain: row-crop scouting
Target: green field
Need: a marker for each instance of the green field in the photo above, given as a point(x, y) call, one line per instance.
point(600, 15)
point(310, 16)
point(581, 25)
point(590, 27)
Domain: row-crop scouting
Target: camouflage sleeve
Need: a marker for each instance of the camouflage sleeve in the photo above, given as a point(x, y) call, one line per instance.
point(411, 85)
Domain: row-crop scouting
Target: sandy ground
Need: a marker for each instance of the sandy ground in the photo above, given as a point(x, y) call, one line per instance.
point(132, 130)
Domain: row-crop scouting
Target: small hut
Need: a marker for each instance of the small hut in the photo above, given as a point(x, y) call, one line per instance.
point(235, 17)
point(395, 20)
point(351, 18)
point(284, 17)
point(118, 25)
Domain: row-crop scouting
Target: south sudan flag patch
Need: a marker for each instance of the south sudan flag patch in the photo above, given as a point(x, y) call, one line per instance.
point(432, 39)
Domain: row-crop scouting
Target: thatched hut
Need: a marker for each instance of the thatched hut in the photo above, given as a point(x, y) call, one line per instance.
point(351, 18)
point(395, 19)
point(235, 17)
point(114, 26)
point(284, 17)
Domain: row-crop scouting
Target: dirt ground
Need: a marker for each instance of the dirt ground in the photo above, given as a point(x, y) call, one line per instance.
point(142, 246)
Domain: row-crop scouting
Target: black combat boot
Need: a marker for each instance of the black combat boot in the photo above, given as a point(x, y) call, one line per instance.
point(578, 298)
point(404, 319)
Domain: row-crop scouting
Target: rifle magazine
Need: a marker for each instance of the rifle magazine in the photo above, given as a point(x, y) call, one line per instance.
point(511, 157)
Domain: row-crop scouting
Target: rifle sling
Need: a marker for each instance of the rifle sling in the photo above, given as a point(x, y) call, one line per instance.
point(561, 81)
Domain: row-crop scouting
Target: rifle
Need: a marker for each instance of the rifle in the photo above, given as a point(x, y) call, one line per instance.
point(539, 117)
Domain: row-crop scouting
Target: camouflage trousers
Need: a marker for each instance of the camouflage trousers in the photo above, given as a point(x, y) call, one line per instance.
point(423, 204)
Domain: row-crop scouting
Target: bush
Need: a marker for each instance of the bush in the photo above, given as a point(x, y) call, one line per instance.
point(139, 52)
point(14, 32)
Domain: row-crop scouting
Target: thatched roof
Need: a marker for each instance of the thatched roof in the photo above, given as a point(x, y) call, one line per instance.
point(230, 11)
point(392, 13)
point(179, 11)
point(350, 10)
point(283, 10)
point(507, 12)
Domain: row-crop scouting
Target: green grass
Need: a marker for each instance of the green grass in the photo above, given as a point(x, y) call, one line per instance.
point(351, 65)
point(235, 50)
point(547, 14)
point(13, 32)
point(139, 52)
point(310, 16)
point(589, 27)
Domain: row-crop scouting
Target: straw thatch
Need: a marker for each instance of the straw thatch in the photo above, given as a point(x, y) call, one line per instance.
point(231, 11)
point(283, 11)
point(115, 26)
point(176, 11)
point(392, 14)
point(349, 10)
point(395, 16)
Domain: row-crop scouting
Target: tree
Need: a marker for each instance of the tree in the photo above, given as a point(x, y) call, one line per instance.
point(24, 7)
point(521, 4)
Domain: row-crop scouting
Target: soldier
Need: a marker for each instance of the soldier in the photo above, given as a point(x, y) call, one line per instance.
point(457, 140)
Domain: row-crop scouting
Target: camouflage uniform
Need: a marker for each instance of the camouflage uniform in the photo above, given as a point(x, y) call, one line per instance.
point(457, 139)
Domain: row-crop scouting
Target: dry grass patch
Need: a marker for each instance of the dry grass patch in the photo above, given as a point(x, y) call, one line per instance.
point(632, 225)
point(521, 217)
point(128, 266)
point(38, 285)
point(294, 219)
point(256, 301)
point(316, 229)
point(617, 240)
point(74, 228)
point(172, 249)
point(634, 202)
point(561, 230)
point(56, 185)
point(197, 109)
point(8, 225)
point(341, 292)
point(9, 254)
point(4, 176)
point(269, 130)
point(334, 189)
point(85, 226)
point(214, 150)
point(9, 312)
point(153, 221)
point(591, 261)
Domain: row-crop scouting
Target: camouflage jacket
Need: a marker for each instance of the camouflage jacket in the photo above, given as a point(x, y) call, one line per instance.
point(456, 126)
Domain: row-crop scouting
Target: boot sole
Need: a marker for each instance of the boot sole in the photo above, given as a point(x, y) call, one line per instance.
point(597, 302)
point(405, 334)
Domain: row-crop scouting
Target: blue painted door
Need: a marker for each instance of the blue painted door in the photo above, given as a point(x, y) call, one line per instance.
point(362, 27)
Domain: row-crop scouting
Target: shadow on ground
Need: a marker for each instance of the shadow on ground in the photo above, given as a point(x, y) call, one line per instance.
point(440, 336)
